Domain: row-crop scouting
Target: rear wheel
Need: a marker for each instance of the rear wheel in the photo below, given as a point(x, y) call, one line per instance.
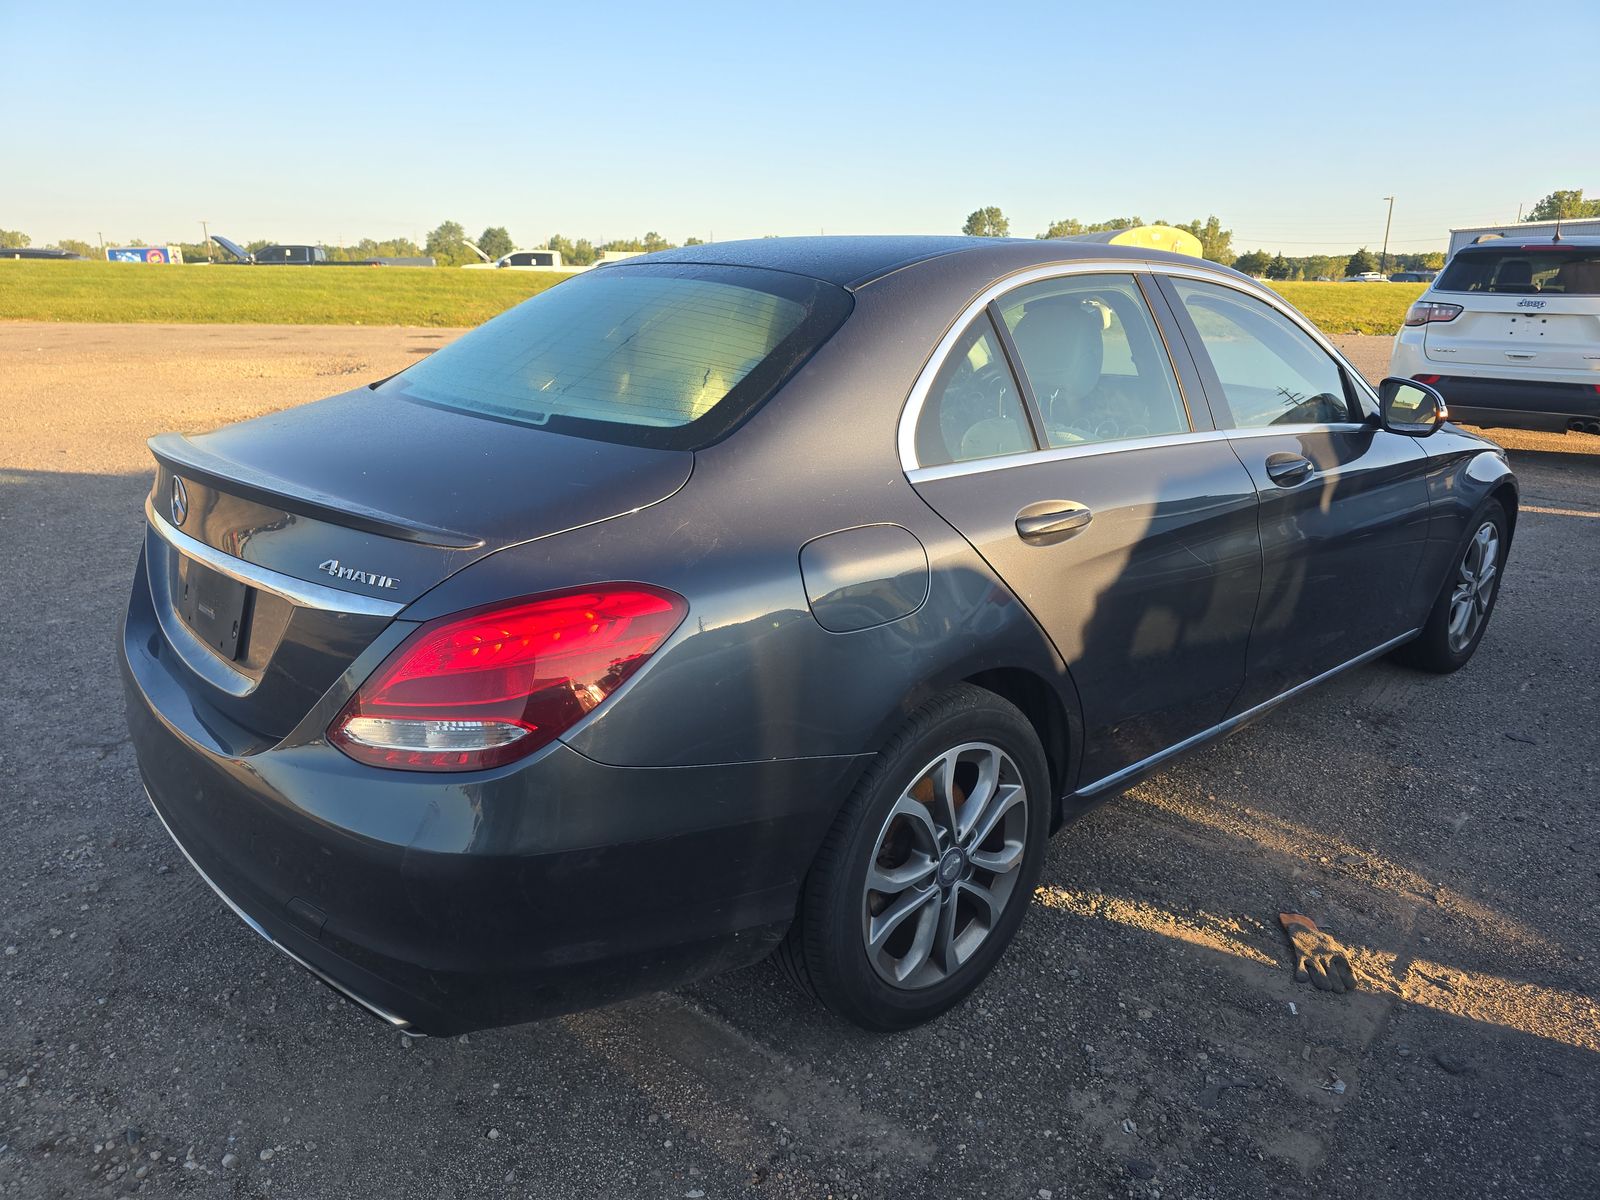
point(1461, 614)
point(927, 870)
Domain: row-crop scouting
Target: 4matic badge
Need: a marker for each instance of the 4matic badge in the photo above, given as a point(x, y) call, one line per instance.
point(333, 567)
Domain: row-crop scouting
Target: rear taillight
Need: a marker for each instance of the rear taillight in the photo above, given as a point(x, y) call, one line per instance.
point(1425, 312)
point(482, 688)
point(1428, 379)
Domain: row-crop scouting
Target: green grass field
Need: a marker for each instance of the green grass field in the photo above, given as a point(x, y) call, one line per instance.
point(96, 291)
point(1352, 307)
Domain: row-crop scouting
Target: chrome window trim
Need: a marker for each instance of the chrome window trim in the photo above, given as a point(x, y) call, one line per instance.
point(906, 434)
point(297, 591)
point(1245, 432)
point(1028, 458)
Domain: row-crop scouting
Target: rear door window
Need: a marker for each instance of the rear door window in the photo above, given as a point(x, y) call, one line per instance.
point(668, 355)
point(1272, 372)
point(1523, 271)
point(973, 409)
point(1094, 360)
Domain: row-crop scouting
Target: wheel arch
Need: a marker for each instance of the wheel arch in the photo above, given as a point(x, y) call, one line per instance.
point(1505, 492)
point(1046, 712)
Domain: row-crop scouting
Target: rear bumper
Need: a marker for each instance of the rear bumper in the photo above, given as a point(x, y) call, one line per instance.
point(450, 903)
point(381, 1013)
point(1517, 403)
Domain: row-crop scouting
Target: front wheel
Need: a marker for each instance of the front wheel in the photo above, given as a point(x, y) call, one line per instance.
point(927, 871)
point(1461, 614)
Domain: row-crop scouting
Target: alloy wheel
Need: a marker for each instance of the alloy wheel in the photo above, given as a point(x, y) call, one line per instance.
point(1474, 587)
point(945, 866)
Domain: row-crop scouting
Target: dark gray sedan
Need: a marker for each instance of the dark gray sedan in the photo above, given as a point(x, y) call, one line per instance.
point(781, 595)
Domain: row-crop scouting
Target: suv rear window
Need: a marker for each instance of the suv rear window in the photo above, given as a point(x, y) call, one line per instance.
point(1523, 271)
point(668, 355)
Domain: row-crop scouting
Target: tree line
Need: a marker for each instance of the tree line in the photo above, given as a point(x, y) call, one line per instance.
point(1216, 243)
point(448, 243)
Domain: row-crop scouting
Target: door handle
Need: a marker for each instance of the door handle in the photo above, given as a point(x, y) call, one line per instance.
point(1056, 519)
point(1286, 470)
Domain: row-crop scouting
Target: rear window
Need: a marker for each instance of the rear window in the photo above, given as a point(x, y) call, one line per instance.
point(1522, 271)
point(668, 355)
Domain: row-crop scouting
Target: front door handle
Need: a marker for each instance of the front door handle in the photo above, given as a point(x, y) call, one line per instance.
point(1052, 520)
point(1286, 470)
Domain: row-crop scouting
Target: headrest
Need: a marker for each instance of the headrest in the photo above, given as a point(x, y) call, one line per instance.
point(1060, 341)
point(1515, 272)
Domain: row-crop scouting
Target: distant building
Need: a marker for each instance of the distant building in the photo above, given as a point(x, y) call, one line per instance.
point(1584, 226)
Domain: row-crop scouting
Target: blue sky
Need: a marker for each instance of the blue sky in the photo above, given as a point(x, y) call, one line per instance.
point(339, 120)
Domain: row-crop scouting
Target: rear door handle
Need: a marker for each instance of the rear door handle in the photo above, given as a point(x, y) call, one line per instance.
point(1052, 519)
point(1286, 470)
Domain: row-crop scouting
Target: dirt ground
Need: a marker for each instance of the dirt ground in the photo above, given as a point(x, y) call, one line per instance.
point(1143, 1037)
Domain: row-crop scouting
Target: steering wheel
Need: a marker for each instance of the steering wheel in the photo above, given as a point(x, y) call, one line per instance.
point(975, 396)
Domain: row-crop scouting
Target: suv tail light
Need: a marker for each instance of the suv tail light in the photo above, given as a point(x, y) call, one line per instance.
point(485, 687)
point(1425, 312)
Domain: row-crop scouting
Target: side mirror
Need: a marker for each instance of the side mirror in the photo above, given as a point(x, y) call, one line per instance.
point(1411, 408)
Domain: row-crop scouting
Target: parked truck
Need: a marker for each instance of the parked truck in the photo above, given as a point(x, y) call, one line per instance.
point(308, 256)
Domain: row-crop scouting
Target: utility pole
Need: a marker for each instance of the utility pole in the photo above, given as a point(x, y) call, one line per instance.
point(1383, 261)
point(102, 238)
point(206, 231)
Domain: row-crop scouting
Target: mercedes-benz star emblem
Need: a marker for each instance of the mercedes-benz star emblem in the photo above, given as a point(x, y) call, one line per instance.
point(180, 501)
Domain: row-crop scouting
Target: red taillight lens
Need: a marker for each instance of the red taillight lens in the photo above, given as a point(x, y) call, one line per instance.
point(1428, 379)
point(483, 688)
point(1425, 312)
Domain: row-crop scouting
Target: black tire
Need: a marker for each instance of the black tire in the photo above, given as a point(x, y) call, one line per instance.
point(1434, 649)
point(826, 951)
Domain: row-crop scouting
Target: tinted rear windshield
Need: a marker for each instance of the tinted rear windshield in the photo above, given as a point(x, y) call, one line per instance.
point(1522, 271)
point(664, 354)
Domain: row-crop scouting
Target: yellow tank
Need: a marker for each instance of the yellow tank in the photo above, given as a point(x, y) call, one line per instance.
point(1151, 237)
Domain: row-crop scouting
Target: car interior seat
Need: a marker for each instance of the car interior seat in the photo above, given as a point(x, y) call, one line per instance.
point(1061, 342)
point(1516, 275)
point(1577, 278)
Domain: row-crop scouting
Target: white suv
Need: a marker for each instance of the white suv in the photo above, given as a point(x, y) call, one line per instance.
point(1510, 333)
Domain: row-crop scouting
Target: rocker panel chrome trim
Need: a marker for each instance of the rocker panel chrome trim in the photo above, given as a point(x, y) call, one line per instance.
point(1128, 773)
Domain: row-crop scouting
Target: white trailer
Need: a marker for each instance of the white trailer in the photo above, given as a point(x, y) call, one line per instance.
point(1576, 227)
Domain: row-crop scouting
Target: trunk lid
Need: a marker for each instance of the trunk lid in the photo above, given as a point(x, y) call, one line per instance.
point(1549, 332)
point(233, 248)
point(335, 515)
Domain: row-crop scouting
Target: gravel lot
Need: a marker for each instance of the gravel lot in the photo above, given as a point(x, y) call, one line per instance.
point(1144, 1036)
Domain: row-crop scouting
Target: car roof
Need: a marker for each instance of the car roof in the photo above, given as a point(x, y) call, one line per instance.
point(854, 262)
point(1575, 241)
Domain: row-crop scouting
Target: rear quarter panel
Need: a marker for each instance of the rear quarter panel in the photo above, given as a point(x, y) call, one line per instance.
point(751, 674)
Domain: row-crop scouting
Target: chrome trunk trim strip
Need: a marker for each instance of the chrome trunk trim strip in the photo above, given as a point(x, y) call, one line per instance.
point(296, 591)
